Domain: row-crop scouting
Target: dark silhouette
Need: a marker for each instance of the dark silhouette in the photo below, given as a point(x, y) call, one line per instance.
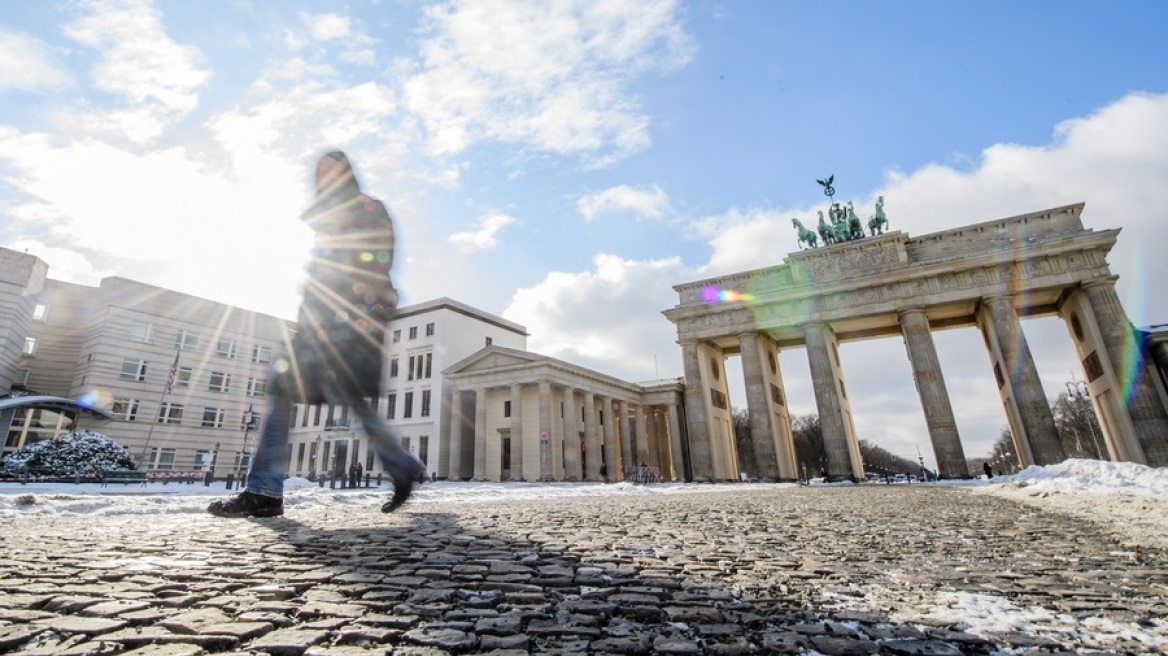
point(336, 353)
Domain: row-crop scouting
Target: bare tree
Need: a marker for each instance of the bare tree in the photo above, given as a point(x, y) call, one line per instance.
point(1077, 426)
point(809, 451)
point(747, 461)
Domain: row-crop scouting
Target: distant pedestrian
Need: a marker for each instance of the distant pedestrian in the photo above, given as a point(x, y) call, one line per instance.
point(989, 472)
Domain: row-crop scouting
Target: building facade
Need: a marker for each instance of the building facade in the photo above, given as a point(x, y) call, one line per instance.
point(185, 380)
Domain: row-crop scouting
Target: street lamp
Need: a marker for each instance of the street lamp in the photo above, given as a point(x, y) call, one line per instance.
point(1078, 389)
point(249, 418)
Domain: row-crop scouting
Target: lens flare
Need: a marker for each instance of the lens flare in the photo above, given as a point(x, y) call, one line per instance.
point(713, 294)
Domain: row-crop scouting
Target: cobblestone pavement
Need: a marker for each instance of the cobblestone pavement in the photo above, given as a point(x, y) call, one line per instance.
point(849, 570)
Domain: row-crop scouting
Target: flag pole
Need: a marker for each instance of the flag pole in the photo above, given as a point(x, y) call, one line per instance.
point(165, 392)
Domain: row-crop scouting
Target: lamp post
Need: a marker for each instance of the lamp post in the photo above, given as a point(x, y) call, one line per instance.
point(1078, 389)
point(248, 421)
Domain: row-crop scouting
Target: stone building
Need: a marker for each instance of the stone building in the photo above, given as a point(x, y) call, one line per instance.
point(185, 382)
point(988, 275)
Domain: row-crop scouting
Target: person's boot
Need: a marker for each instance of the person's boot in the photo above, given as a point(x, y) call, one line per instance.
point(404, 468)
point(246, 504)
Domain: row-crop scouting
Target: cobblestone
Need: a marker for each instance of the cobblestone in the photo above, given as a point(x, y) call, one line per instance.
point(848, 570)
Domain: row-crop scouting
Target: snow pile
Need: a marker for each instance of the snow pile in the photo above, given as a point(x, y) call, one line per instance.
point(80, 452)
point(1129, 500)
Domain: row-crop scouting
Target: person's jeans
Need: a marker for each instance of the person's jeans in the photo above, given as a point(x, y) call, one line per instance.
point(268, 467)
point(266, 474)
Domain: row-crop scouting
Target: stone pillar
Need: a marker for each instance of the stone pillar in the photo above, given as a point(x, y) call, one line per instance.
point(454, 435)
point(922, 354)
point(516, 432)
point(697, 414)
point(572, 470)
point(628, 459)
point(762, 429)
point(545, 427)
point(1034, 419)
point(833, 420)
point(642, 436)
point(611, 458)
point(677, 458)
point(592, 443)
point(1148, 416)
point(480, 435)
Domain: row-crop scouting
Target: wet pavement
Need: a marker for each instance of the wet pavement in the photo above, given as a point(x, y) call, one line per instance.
point(870, 569)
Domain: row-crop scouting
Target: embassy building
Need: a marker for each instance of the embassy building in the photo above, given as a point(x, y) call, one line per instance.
point(181, 382)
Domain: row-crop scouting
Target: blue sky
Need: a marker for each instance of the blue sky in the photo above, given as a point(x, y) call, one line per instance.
point(563, 164)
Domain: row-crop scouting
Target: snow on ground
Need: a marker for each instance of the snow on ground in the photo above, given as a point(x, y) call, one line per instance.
point(1129, 500)
point(1126, 499)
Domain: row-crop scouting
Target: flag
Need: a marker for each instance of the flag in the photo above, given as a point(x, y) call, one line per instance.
point(173, 373)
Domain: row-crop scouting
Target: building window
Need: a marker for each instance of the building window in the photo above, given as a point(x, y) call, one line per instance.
point(184, 340)
point(393, 368)
point(202, 460)
point(250, 420)
point(257, 387)
point(425, 409)
point(182, 376)
point(413, 332)
point(125, 409)
point(430, 329)
point(489, 342)
point(429, 361)
point(424, 449)
point(410, 369)
point(421, 367)
point(300, 458)
point(162, 459)
point(390, 406)
point(170, 413)
point(316, 415)
point(213, 417)
point(142, 332)
point(220, 382)
point(408, 405)
point(40, 312)
point(225, 348)
point(261, 354)
point(396, 336)
point(133, 370)
point(506, 408)
point(405, 442)
point(30, 344)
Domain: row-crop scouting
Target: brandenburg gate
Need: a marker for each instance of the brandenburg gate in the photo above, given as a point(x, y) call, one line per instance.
point(987, 275)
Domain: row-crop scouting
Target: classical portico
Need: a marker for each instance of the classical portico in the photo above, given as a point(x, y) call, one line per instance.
point(987, 275)
point(520, 416)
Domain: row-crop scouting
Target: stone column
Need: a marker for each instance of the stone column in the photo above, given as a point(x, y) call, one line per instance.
point(545, 427)
point(480, 435)
point(677, 458)
point(827, 401)
point(611, 459)
point(516, 432)
point(697, 414)
point(762, 429)
point(642, 436)
point(628, 460)
point(1020, 373)
point(1148, 417)
point(922, 354)
point(592, 443)
point(572, 468)
point(454, 434)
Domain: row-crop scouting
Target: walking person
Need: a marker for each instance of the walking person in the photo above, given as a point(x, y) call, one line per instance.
point(989, 473)
point(336, 353)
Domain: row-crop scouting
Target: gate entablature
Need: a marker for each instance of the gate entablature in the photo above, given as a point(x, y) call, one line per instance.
point(1031, 264)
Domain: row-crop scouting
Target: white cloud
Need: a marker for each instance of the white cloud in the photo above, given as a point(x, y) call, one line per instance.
point(552, 76)
point(483, 237)
point(325, 27)
point(28, 63)
point(139, 60)
point(647, 202)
